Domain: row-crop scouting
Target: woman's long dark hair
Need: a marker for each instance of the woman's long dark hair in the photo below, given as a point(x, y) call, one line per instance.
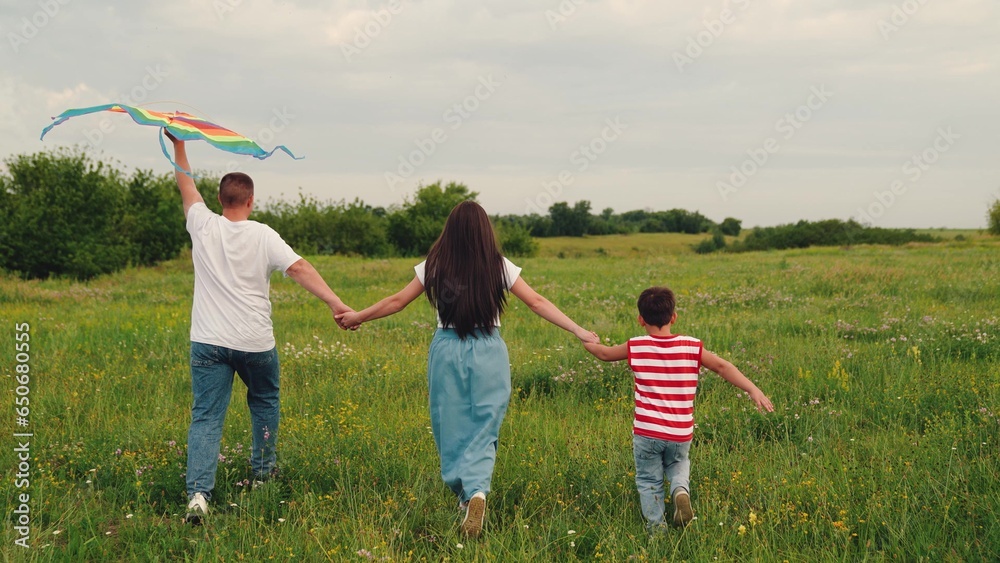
point(465, 278)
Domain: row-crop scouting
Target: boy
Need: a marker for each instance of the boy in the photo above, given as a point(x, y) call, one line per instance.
point(666, 368)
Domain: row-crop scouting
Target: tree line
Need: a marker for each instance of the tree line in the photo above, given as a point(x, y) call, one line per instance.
point(64, 214)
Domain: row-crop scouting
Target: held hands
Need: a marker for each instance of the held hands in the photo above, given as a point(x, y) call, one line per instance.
point(340, 312)
point(586, 336)
point(348, 320)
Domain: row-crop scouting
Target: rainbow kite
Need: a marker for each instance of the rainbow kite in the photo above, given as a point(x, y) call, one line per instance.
point(183, 126)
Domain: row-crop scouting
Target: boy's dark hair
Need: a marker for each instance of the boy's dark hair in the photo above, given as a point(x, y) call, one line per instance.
point(235, 189)
point(656, 305)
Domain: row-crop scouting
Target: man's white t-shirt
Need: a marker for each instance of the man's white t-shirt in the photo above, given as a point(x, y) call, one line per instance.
point(512, 272)
point(233, 262)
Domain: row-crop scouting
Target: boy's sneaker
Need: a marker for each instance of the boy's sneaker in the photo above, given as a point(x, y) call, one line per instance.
point(472, 525)
point(682, 508)
point(196, 510)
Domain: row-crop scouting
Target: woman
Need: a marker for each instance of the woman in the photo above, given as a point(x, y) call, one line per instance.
point(466, 279)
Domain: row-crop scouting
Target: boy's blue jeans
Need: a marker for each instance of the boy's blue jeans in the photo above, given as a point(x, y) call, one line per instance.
point(656, 460)
point(212, 369)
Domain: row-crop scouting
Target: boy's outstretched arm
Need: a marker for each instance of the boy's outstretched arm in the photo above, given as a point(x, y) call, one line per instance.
point(607, 353)
point(730, 373)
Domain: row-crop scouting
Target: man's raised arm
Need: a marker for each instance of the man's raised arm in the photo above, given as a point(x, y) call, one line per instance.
point(189, 192)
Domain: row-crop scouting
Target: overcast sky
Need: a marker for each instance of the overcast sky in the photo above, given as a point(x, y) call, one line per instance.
point(767, 111)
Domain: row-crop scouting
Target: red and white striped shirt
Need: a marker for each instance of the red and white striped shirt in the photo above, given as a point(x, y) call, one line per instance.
point(666, 376)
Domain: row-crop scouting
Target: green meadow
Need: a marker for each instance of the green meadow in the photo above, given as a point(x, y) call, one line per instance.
point(883, 364)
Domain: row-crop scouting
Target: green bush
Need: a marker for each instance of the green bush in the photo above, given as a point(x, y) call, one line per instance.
point(994, 218)
point(208, 187)
point(154, 218)
point(716, 242)
point(6, 219)
point(413, 228)
point(515, 240)
point(361, 230)
point(830, 232)
point(576, 220)
point(311, 227)
point(307, 226)
point(731, 226)
point(65, 216)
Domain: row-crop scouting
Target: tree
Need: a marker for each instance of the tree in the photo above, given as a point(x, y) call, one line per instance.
point(731, 227)
point(414, 227)
point(6, 211)
point(515, 240)
point(570, 222)
point(65, 216)
point(994, 218)
point(312, 227)
point(208, 187)
point(154, 218)
point(360, 230)
point(604, 224)
point(305, 225)
point(715, 242)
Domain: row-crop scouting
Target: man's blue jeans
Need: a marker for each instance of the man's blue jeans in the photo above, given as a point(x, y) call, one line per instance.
point(656, 460)
point(212, 369)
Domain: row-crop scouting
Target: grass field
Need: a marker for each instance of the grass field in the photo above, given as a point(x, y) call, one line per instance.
point(883, 365)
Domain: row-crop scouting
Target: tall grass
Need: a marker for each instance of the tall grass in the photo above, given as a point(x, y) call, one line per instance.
point(882, 363)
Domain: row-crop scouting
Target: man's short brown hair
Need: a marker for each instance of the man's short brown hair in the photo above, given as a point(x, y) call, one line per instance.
point(656, 305)
point(235, 189)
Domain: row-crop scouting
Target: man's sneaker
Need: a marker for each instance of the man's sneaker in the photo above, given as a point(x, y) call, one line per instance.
point(682, 508)
point(472, 525)
point(197, 509)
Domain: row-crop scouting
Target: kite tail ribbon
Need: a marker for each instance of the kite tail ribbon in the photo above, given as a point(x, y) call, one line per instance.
point(74, 113)
point(163, 146)
point(283, 149)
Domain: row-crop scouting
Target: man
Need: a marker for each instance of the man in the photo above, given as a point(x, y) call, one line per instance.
point(231, 327)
